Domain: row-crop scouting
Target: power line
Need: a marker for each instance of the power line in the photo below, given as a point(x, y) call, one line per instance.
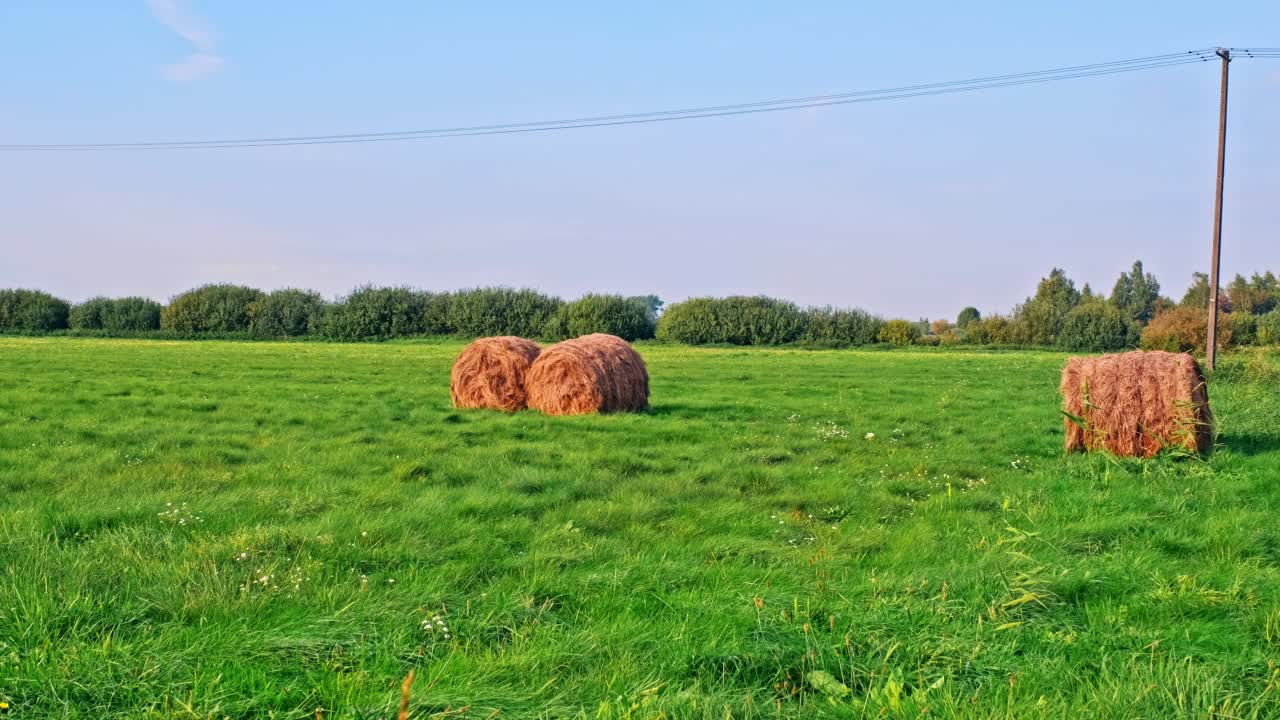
point(567, 125)
point(1203, 54)
point(666, 115)
point(864, 96)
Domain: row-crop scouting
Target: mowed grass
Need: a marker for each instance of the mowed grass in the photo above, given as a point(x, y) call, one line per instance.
point(245, 530)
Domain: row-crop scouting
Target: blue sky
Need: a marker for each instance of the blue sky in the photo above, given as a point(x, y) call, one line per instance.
point(910, 208)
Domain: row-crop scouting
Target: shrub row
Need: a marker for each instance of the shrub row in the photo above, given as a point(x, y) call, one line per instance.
point(368, 313)
point(758, 320)
point(374, 313)
point(120, 315)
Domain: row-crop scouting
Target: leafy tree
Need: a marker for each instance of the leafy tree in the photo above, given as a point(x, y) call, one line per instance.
point(1266, 288)
point(133, 314)
point(759, 320)
point(839, 327)
point(1136, 293)
point(286, 313)
point(899, 332)
point(652, 302)
point(693, 322)
point(1097, 326)
point(1197, 296)
point(32, 311)
point(1043, 315)
point(435, 313)
point(1256, 296)
point(628, 318)
point(1268, 331)
point(556, 327)
point(89, 314)
point(967, 316)
point(482, 312)
point(991, 330)
point(130, 314)
point(1244, 328)
point(375, 313)
point(211, 308)
point(762, 320)
point(737, 320)
point(1240, 295)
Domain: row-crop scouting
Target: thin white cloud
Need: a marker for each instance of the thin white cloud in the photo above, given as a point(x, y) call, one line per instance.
point(193, 66)
point(175, 15)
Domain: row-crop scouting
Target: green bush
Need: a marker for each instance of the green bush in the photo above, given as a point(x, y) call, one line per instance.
point(692, 322)
point(1269, 328)
point(737, 320)
point(1184, 329)
point(991, 330)
point(899, 332)
point(628, 318)
point(32, 311)
point(500, 311)
point(1096, 327)
point(116, 315)
point(376, 313)
point(839, 328)
point(435, 314)
point(286, 313)
point(556, 328)
point(211, 308)
point(1244, 328)
point(89, 315)
point(760, 320)
point(132, 314)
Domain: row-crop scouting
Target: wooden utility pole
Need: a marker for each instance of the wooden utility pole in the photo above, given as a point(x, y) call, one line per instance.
point(1211, 351)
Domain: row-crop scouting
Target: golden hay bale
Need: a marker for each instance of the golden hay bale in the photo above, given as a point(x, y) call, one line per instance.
point(490, 373)
point(593, 373)
point(1136, 403)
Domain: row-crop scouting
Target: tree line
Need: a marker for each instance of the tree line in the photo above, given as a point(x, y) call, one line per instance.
point(1134, 314)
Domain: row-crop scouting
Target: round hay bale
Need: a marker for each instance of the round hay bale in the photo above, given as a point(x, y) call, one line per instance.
point(490, 373)
point(1136, 404)
point(593, 373)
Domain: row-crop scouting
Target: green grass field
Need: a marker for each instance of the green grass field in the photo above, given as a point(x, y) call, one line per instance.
point(245, 530)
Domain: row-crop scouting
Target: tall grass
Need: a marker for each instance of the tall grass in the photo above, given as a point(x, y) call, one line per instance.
point(262, 529)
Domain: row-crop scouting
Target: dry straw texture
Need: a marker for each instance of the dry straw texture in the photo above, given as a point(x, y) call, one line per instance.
point(1136, 403)
point(593, 373)
point(490, 373)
